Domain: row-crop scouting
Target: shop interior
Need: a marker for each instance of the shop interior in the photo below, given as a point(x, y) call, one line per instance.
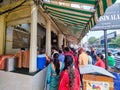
point(17, 48)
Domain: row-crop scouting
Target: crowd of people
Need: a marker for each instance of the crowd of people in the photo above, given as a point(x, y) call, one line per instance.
point(63, 71)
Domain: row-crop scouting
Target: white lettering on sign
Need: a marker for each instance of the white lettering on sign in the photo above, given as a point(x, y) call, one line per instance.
point(109, 17)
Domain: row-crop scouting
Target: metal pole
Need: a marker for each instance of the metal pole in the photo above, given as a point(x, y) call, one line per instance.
point(106, 48)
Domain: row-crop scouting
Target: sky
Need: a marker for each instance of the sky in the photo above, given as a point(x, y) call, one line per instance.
point(117, 1)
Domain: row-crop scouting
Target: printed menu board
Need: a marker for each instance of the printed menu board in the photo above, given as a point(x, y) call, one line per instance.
point(95, 85)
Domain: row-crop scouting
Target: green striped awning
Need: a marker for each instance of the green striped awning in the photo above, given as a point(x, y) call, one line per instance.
point(103, 4)
point(78, 15)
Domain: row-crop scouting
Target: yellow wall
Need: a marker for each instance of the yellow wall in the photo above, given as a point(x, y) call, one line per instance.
point(2, 34)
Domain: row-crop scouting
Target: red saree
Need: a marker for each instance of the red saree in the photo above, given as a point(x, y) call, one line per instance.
point(64, 81)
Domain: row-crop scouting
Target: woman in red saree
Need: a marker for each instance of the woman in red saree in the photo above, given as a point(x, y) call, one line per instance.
point(70, 77)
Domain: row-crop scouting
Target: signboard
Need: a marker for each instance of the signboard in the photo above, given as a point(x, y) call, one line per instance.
point(110, 20)
point(95, 85)
point(20, 39)
point(110, 36)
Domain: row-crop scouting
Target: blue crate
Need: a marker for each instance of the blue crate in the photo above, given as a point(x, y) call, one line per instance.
point(116, 81)
point(116, 85)
point(41, 61)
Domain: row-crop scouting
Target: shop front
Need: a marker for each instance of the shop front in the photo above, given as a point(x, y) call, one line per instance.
point(26, 32)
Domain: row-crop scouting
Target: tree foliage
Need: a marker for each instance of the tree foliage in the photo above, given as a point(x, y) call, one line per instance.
point(116, 41)
point(92, 40)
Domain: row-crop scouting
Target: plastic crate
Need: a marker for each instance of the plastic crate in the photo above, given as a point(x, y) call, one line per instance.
point(41, 61)
point(116, 81)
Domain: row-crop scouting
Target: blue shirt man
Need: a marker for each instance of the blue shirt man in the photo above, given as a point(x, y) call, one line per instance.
point(61, 56)
point(93, 55)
